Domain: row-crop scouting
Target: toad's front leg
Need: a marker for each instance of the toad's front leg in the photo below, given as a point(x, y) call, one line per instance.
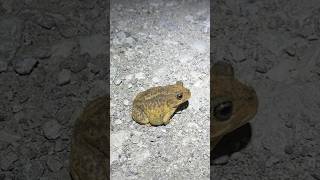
point(168, 115)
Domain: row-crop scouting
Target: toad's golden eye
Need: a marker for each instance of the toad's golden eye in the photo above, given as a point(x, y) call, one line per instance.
point(223, 111)
point(179, 96)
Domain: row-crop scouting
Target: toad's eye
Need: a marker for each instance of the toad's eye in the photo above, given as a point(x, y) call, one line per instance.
point(179, 96)
point(223, 111)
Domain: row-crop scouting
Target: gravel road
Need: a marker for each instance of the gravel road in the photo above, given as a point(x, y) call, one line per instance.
point(157, 43)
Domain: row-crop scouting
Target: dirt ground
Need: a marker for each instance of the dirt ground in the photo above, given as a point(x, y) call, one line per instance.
point(156, 43)
point(54, 59)
point(274, 46)
point(53, 56)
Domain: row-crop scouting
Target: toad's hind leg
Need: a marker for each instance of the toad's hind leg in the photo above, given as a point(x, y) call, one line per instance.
point(139, 116)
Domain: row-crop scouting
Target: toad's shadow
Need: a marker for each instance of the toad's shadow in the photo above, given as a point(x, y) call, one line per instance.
point(232, 142)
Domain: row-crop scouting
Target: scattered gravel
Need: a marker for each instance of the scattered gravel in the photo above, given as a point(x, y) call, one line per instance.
point(157, 43)
point(52, 56)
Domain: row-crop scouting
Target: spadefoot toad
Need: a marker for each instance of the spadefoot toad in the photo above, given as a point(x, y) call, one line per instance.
point(156, 105)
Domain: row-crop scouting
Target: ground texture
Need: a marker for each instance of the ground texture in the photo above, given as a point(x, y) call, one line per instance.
point(52, 61)
point(274, 46)
point(157, 43)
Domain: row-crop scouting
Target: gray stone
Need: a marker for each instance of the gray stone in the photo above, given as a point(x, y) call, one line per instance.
point(24, 66)
point(64, 77)
point(222, 160)
point(51, 129)
point(7, 160)
point(126, 102)
point(54, 164)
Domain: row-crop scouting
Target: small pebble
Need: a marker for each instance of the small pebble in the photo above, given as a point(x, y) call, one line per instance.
point(117, 82)
point(128, 77)
point(140, 75)
point(126, 102)
point(222, 160)
point(51, 129)
point(155, 80)
point(25, 66)
point(3, 66)
point(7, 161)
point(64, 77)
point(54, 164)
point(118, 121)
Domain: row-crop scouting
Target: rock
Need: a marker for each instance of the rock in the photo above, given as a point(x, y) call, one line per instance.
point(271, 161)
point(59, 146)
point(54, 164)
point(155, 80)
point(93, 68)
point(121, 35)
point(64, 77)
point(3, 66)
point(290, 51)
point(25, 66)
point(222, 160)
point(33, 169)
point(129, 40)
point(237, 54)
point(117, 82)
point(126, 102)
point(118, 121)
point(140, 75)
point(189, 18)
point(7, 160)
point(51, 129)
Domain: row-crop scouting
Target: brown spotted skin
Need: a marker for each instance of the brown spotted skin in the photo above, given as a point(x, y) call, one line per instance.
point(90, 142)
point(227, 88)
point(156, 105)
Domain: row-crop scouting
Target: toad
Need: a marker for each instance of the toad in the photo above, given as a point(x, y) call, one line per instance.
point(233, 102)
point(89, 158)
point(157, 105)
